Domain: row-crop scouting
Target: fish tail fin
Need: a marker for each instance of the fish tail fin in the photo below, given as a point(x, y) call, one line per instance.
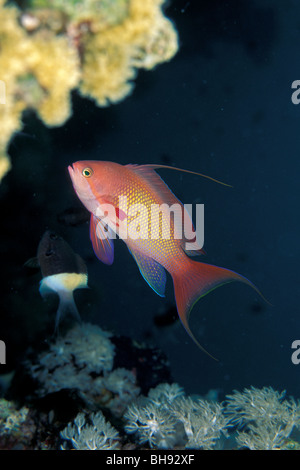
point(66, 306)
point(197, 281)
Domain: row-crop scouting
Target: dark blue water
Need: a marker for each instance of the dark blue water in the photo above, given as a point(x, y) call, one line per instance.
point(222, 107)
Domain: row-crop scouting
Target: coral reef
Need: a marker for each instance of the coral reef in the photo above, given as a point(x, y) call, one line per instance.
point(50, 48)
point(266, 417)
point(71, 359)
point(83, 400)
point(122, 384)
point(167, 418)
point(39, 71)
point(98, 435)
point(10, 417)
point(77, 376)
point(144, 39)
point(83, 360)
point(16, 426)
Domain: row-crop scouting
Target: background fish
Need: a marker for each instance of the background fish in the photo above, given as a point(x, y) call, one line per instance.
point(73, 216)
point(98, 183)
point(63, 271)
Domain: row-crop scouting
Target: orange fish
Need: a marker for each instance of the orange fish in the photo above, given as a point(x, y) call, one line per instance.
point(123, 200)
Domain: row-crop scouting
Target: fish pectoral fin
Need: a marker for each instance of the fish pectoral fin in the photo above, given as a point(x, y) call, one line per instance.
point(102, 240)
point(153, 273)
point(32, 263)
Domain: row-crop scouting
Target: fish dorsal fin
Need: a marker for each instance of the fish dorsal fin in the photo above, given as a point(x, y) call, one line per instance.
point(148, 173)
point(153, 273)
point(182, 170)
point(102, 240)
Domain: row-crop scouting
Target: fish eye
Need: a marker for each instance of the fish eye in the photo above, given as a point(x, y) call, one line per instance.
point(87, 172)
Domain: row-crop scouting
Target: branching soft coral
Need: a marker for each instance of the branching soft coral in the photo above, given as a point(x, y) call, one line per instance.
point(152, 424)
point(77, 360)
point(91, 433)
point(203, 421)
point(267, 418)
point(167, 418)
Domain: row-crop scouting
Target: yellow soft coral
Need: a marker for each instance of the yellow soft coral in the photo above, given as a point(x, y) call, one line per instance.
point(143, 40)
point(38, 72)
point(56, 75)
point(95, 45)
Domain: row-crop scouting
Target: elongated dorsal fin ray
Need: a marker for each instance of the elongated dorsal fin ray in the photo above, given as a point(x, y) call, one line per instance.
point(167, 167)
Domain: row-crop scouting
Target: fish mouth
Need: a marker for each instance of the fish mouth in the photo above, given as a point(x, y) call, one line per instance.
point(71, 170)
point(72, 173)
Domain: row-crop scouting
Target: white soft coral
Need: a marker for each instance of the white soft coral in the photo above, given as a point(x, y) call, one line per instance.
point(152, 424)
point(167, 418)
point(99, 435)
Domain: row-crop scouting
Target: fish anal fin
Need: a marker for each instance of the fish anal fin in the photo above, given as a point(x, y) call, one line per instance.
point(153, 273)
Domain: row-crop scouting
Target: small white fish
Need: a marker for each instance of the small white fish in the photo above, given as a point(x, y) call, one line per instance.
point(63, 271)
